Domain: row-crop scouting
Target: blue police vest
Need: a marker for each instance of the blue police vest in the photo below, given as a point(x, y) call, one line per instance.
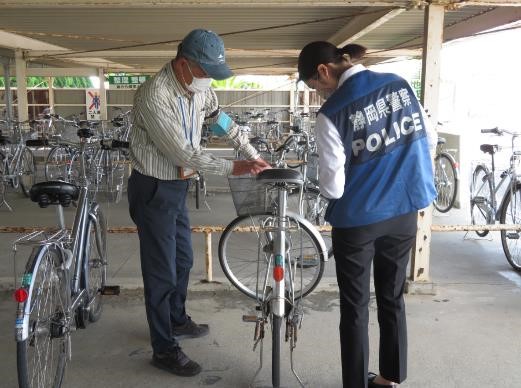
point(388, 166)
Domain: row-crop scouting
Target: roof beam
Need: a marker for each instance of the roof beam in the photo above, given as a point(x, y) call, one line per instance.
point(362, 25)
point(201, 3)
point(485, 21)
point(230, 53)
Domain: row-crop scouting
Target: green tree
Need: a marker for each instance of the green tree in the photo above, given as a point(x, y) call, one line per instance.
point(234, 83)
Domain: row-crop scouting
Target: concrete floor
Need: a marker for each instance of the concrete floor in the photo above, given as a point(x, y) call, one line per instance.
point(466, 335)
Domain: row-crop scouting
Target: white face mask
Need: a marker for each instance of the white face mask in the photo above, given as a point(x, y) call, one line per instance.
point(198, 85)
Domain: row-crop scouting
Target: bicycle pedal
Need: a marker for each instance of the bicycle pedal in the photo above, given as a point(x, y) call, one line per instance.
point(513, 236)
point(249, 318)
point(110, 290)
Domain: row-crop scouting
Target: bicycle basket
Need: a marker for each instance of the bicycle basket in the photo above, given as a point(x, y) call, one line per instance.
point(249, 195)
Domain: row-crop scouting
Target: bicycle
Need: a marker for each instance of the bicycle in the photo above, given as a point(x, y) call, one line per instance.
point(483, 204)
point(64, 279)
point(306, 200)
point(17, 165)
point(446, 177)
point(273, 256)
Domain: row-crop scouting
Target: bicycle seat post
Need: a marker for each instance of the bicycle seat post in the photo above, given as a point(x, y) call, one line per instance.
point(60, 217)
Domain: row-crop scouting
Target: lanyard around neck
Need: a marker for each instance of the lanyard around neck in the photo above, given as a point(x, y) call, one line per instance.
point(185, 126)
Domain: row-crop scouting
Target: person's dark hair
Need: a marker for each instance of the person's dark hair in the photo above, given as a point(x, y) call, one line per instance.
point(321, 52)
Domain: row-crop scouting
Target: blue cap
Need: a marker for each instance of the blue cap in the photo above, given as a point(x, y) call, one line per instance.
point(206, 48)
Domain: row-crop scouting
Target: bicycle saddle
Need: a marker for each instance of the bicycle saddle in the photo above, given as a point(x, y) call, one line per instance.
point(280, 175)
point(54, 193)
point(441, 140)
point(489, 148)
point(4, 140)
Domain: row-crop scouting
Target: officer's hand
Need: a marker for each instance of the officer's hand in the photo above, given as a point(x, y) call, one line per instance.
point(242, 167)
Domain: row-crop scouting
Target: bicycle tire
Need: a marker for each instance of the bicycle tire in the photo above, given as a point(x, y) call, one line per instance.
point(480, 203)
point(446, 182)
point(314, 210)
point(3, 184)
point(511, 214)
point(197, 193)
point(41, 357)
point(276, 342)
point(238, 254)
point(58, 164)
point(27, 170)
point(96, 266)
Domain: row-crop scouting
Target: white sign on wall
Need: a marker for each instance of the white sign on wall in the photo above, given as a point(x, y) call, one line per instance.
point(93, 104)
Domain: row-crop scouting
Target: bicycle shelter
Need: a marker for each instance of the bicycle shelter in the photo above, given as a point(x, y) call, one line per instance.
point(53, 38)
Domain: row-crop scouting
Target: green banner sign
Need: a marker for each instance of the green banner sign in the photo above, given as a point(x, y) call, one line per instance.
point(127, 81)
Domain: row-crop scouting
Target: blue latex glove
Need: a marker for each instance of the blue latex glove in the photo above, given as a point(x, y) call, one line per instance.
point(222, 126)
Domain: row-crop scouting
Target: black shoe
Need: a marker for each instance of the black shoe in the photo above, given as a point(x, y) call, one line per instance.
point(175, 361)
point(190, 329)
point(371, 384)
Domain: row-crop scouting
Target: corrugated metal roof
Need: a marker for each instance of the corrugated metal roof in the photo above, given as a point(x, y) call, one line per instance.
point(93, 28)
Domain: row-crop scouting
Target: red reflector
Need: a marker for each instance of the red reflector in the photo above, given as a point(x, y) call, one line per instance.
point(278, 273)
point(21, 295)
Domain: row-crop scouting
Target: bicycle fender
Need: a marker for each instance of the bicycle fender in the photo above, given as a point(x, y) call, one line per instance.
point(505, 196)
point(311, 227)
point(23, 310)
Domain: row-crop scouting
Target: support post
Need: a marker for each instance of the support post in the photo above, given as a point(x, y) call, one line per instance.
point(51, 93)
point(21, 86)
point(208, 251)
point(102, 94)
point(432, 42)
point(8, 95)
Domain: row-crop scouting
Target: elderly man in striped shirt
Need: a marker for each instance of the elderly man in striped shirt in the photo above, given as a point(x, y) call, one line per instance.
point(169, 110)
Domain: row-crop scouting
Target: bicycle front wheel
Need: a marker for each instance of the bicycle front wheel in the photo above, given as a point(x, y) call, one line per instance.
point(41, 357)
point(58, 164)
point(481, 209)
point(511, 214)
point(446, 182)
point(246, 248)
point(314, 207)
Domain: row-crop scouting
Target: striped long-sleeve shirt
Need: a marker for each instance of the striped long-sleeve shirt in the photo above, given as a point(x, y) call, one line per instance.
point(167, 129)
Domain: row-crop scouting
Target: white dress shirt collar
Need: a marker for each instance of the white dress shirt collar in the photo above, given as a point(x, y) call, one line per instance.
point(350, 72)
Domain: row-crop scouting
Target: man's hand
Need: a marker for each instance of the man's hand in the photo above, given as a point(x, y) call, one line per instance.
point(241, 167)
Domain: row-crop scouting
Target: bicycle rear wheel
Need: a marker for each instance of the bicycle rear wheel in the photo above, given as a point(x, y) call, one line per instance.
point(41, 357)
point(96, 265)
point(480, 199)
point(276, 342)
point(245, 250)
point(511, 214)
point(27, 171)
point(446, 182)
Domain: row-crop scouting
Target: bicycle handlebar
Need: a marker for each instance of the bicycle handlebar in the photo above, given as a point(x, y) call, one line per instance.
point(500, 132)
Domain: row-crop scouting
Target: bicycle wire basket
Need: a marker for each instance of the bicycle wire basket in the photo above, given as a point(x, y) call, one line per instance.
point(249, 195)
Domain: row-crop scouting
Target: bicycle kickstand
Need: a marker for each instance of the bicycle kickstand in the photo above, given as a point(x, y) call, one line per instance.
point(258, 338)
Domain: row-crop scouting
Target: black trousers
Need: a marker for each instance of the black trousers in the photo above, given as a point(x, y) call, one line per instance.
point(158, 208)
point(387, 245)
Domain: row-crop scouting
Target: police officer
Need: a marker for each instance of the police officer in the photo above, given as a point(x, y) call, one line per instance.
point(375, 167)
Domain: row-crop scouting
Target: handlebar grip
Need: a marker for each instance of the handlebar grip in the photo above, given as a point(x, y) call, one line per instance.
point(120, 144)
point(492, 130)
point(110, 144)
point(37, 143)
